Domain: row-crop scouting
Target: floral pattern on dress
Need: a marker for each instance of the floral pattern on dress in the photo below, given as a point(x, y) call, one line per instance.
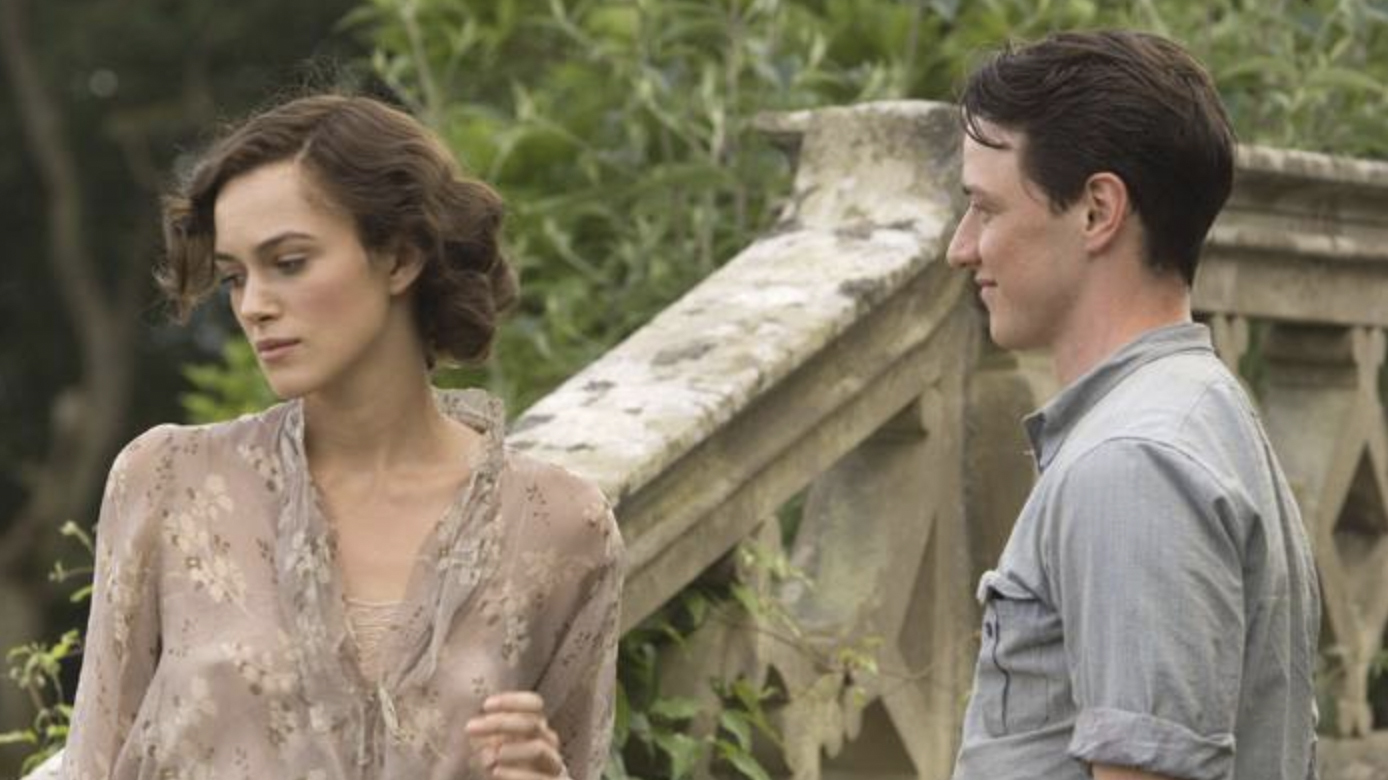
point(205, 552)
point(263, 463)
point(220, 649)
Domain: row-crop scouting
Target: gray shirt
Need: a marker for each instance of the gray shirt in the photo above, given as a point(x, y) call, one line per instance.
point(1156, 606)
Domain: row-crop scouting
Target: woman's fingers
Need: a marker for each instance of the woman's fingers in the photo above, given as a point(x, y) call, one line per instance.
point(532, 754)
point(509, 725)
point(515, 773)
point(513, 739)
point(515, 701)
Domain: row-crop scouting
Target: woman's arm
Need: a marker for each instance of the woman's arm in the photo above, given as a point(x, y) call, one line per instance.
point(571, 711)
point(121, 648)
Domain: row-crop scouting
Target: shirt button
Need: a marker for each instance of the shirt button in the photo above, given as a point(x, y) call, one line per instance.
point(988, 630)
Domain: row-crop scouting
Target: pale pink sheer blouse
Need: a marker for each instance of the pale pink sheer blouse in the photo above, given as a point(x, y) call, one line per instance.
point(218, 646)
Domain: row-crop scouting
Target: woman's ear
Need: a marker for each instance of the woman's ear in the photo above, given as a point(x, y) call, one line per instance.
point(1107, 208)
point(406, 264)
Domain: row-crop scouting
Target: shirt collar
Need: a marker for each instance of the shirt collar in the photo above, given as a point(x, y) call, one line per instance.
point(1049, 426)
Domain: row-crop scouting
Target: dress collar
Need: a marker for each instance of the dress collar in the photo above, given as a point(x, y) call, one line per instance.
point(453, 562)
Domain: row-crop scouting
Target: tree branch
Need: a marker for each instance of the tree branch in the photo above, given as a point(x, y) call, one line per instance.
point(86, 418)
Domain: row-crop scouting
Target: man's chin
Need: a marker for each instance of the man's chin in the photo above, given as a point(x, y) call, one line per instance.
point(1013, 342)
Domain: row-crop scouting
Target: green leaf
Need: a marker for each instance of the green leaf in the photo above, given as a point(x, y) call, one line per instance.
point(696, 606)
point(18, 737)
point(737, 724)
point(621, 719)
point(641, 726)
point(683, 752)
point(747, 598)
point(675, 708)
point(747, 766)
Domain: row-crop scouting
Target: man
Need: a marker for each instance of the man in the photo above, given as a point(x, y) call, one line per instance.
point(1155, 611)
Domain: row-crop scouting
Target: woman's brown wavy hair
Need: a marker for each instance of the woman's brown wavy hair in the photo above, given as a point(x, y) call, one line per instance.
point(400, 184)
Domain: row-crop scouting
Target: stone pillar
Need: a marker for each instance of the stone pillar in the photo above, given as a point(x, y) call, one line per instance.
point(1324, 414)
point(885, 549)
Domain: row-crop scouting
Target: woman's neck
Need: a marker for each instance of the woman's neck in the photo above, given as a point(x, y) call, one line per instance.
point(393, 425)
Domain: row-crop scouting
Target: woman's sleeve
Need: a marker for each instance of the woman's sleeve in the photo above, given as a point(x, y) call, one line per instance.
point(579, 684)
point(122, 644)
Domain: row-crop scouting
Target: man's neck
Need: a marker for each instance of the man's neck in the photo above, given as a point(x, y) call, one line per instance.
point(1112, 317)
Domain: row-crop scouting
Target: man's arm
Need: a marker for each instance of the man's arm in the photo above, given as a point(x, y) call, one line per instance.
point(1109, 772)
point(1146, 554)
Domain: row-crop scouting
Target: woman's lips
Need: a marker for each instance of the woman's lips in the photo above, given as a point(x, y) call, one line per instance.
point(274, 349)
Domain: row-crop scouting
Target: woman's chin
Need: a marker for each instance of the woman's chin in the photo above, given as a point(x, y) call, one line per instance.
point(286, 390)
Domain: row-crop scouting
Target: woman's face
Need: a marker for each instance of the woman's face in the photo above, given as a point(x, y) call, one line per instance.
point(309, 297)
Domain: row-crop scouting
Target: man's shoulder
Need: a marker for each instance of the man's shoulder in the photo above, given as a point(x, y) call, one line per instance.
point(1188, 403)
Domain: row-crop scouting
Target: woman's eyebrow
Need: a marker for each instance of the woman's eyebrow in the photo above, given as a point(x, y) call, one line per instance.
point(265, 247)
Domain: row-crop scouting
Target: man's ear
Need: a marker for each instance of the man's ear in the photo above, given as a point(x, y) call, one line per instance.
point(1106, 210)
point(406, 264)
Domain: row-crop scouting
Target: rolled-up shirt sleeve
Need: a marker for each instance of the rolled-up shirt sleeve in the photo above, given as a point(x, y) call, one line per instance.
point(1146, 556)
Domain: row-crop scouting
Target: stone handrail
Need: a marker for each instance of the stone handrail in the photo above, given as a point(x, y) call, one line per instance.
point(838, 362)
point(739, 394)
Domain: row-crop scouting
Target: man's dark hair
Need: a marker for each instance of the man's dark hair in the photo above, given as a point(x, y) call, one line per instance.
point(1129, 103)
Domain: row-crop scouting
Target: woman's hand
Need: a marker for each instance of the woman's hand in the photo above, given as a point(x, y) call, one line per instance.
point(513, 740)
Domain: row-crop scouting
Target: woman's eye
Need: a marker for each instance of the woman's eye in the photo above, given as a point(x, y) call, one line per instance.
point(290, 264)
point(231, 281)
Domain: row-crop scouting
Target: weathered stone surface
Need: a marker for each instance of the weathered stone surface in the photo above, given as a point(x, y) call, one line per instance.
point(1304, 238)
point(1003, 388)
point(874, 200)
point(1323, 412)
point(1355, 759)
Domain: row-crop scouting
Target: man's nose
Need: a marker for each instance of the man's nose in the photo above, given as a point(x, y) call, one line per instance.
point(963, 247)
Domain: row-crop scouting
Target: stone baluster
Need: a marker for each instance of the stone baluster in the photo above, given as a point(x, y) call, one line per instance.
point(1323, 411)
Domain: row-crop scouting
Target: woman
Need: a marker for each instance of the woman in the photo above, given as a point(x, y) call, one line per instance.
point(362, 581)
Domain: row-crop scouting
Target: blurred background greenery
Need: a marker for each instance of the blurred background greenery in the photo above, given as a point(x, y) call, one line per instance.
point(620, 132)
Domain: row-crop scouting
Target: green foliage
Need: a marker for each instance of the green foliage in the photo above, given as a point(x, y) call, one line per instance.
point(620, 133)
point(1308, 74)
point(227, 389)
point(652, 731)
point(731, 733)
point(36, 668)
point(659, 735)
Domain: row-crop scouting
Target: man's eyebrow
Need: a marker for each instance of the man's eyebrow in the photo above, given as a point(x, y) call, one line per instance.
point(973, 190)
point(265, 246)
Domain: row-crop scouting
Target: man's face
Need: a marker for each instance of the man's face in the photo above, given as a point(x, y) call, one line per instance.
point(1027, 259)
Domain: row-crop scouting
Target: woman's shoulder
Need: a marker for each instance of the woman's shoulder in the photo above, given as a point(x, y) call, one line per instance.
point(167, 446)
point(551, 476)
point(574, 509)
